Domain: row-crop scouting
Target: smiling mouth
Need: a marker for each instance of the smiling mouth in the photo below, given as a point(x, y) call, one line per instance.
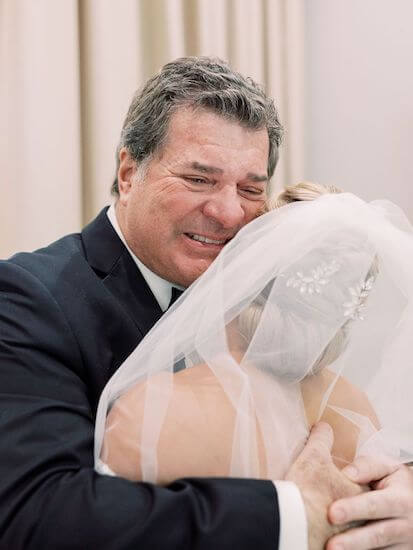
point(206, 240)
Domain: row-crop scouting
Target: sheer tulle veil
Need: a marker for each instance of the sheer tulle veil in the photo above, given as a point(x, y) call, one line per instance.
point(312, 285)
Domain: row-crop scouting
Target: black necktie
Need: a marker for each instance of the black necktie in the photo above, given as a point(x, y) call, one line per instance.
point(176, 292)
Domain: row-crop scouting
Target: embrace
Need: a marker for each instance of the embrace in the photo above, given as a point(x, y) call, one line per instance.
point(206, 410)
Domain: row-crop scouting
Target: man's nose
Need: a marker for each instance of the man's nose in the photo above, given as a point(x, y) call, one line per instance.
point(225, 208)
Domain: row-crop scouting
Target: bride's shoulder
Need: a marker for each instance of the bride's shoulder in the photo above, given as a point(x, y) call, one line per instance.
point(200, 373)
point(346, 395)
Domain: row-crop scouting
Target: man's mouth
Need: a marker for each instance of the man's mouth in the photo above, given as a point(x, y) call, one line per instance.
point(207, 240)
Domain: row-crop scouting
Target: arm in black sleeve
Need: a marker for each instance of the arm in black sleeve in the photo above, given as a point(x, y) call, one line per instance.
point(50, 495)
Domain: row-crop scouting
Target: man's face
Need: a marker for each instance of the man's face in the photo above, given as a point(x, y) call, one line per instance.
point(209, 180)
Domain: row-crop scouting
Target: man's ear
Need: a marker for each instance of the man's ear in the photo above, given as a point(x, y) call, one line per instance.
point(126, 172)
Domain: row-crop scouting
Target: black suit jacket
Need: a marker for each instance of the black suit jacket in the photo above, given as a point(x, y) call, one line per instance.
point(69, 316)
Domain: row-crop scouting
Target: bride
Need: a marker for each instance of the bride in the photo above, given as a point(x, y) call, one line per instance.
point(304, 316)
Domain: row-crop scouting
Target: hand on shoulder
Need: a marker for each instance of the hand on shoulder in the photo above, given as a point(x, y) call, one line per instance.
point(320, 483)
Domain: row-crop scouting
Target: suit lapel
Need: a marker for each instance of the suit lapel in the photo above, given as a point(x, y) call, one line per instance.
point(112, 262)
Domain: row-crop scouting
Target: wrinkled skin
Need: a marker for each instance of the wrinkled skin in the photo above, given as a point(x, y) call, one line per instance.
point(208, 179)
point(388, 509)
point(320, 483)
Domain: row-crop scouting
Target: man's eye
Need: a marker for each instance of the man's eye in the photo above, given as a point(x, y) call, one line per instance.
point(253, 191)
point(194, 179)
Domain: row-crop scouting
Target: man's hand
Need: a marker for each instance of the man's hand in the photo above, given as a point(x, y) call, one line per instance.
point(320, 483)
point(389, 507)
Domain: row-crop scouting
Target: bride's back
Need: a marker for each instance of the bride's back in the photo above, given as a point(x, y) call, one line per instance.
point(197, 435)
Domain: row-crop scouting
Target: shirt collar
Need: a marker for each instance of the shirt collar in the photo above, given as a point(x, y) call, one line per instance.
point(161, 289)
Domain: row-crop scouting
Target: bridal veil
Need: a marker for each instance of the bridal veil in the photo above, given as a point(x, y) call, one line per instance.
point(312, 285)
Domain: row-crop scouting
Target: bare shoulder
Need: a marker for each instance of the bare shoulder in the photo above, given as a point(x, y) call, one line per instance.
point(348, 396)
point(342, 394)
point(200, 372)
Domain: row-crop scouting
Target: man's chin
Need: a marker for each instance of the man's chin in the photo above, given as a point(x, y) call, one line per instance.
point(185, 277)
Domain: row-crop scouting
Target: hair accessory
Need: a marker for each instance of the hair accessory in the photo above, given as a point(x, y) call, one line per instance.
point(353, 309)
point(319, 277)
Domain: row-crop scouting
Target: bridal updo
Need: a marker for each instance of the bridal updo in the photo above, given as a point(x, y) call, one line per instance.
point(250, 317)
point(303, 191)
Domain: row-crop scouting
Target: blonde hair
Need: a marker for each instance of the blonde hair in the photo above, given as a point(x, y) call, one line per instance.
point(303, 191)
point(250, 318)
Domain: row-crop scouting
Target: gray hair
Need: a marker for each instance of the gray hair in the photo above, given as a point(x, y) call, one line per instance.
point(204, 82)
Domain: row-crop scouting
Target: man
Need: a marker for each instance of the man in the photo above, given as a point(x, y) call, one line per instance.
point(197, 149)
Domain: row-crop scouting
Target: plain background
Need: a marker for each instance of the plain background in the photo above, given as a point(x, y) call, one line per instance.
point(340, 72)
point(359, 99)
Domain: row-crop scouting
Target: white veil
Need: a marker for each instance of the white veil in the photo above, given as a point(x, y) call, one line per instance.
point(288, 285)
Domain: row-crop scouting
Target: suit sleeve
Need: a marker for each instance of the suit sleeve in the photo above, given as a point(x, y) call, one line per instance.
point(50, 495)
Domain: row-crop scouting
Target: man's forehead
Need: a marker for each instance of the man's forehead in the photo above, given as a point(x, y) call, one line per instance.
point(206, 168)
point(205, 141)
point(188, 120)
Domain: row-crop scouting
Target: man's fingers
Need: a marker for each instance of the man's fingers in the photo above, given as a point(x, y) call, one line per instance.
point(321, 438)
point(378, 534)
point(388, 511)
point(316, 453)
point(366, 469)
point(402, 476)
point(367, 506)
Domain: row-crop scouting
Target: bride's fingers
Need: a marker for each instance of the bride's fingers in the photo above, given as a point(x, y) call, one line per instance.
point(366, 469)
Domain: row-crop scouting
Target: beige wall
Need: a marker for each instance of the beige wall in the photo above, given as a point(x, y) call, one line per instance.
point(340, 72)
point(359, 59)
point(71, 68)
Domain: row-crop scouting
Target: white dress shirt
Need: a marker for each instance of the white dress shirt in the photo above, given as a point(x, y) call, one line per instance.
point(293, 521)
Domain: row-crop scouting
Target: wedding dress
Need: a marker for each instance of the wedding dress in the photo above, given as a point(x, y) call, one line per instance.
point(305, 314)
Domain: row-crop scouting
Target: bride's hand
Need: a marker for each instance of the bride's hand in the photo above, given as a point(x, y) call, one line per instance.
point(388, 508)
point(320, 483)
